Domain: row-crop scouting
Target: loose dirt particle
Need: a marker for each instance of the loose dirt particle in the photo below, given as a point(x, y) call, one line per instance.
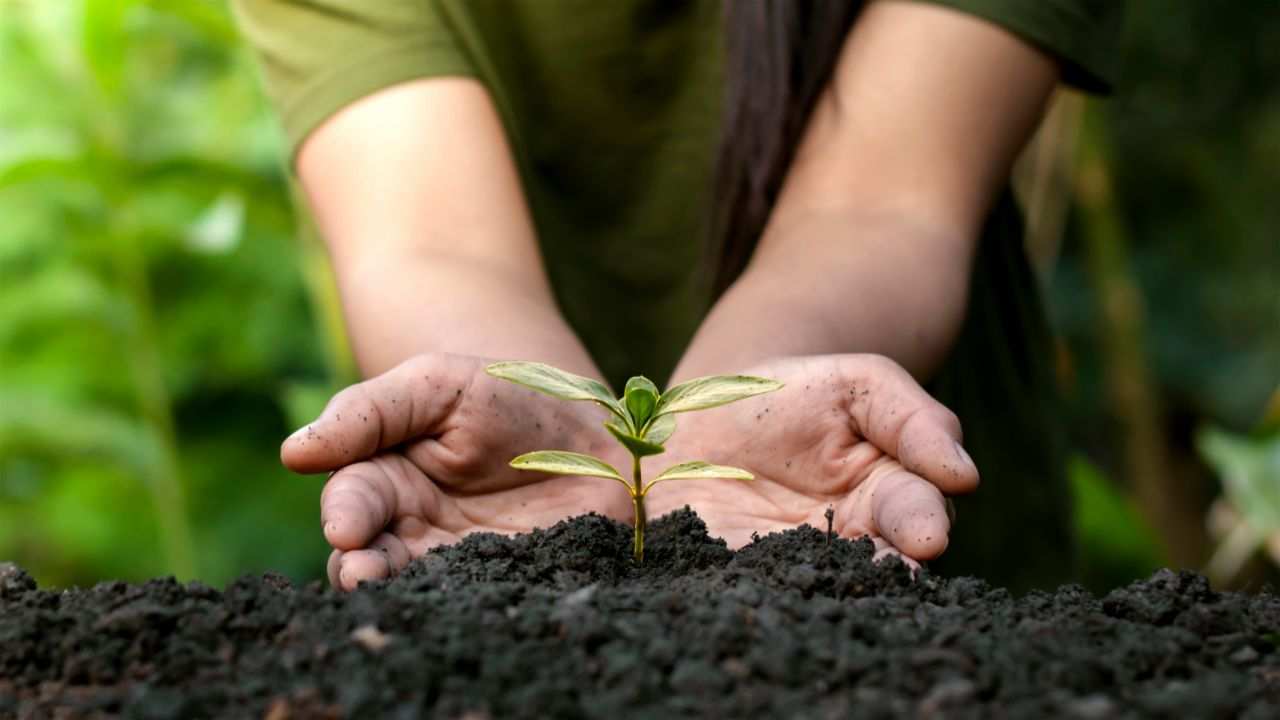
point(371, 638)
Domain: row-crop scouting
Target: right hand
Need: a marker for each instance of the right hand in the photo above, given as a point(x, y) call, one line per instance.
point(419, 455)
point(850, 432)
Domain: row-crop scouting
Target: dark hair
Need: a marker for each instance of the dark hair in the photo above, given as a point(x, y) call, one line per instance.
point(779, 57)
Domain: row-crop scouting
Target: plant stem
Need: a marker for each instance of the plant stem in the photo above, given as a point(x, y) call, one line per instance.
point(637, 499)
point(326, 308)
point(1166, 498)
point(156, 406)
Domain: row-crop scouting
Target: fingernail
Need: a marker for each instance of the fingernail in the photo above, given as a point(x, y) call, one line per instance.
point(964, 456)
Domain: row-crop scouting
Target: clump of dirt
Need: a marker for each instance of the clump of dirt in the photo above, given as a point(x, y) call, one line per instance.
point(560, 623)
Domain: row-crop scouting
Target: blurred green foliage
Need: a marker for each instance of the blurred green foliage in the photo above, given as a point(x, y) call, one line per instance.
point(1248, 514)
point(1194, 136)
point(1116, 544)
point(153, 315)
point(162, 328)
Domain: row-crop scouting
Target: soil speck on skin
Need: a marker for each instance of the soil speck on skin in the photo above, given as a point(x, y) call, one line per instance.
point(561, 623)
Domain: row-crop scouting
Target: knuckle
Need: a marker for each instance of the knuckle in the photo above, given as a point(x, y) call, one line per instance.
point(878, 365)
point(421, 363)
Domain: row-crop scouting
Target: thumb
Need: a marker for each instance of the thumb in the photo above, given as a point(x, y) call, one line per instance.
point(407, 402)
point(889, 408)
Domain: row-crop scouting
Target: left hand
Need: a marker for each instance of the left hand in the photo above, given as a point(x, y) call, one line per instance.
point(852, 432)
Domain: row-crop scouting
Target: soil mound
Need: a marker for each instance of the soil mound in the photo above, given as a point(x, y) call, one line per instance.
point(560, 623)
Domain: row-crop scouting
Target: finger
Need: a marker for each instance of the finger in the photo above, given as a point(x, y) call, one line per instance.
point(358, 503)
point(398, 556)
point(889, 408)
point(911, 514)
point(396, 553)
point(886, 550)
point(361, 565)
point(408, 401)
point(332, 567)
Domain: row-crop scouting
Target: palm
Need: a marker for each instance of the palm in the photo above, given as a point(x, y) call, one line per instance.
point(421, 456)
point(810, 447)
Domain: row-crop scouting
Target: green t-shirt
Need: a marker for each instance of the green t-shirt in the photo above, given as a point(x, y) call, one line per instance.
point(612, 109)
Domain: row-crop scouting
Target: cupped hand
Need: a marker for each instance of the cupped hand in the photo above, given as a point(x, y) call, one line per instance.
point(419, 457)
point(852, 432)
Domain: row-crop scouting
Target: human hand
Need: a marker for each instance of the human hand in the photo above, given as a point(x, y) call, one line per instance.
point(419, 457)
point(852, 432)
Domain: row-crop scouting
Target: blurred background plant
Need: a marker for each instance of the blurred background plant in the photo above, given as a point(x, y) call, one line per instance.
point(1245, 520)
point(156, 331)
point(164, 322)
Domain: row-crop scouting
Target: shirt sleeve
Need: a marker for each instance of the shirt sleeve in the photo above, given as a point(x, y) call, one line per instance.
point(1084, 35)
point(318, 56)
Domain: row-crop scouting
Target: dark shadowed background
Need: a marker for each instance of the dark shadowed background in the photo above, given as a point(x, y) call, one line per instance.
point(164, 323)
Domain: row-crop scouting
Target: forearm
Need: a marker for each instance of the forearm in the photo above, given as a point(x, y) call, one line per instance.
point(840, 282)
point(399, 305)
point(870, 242)
point(420, 206)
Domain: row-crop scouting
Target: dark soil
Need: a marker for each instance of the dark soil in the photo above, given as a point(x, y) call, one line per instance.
point(559, 623)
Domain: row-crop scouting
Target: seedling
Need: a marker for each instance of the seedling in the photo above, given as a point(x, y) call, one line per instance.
point(642, 420)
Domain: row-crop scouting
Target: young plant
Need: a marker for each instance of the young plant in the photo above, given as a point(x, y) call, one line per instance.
point(642, 420)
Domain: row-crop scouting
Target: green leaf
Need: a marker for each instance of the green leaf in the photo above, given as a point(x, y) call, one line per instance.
point(708, 392)
point(637, 446)
point(39, 424)
point(301, 402)
point(699, 470)
point(1116, 544)
point(557, 383)
point(640, 397)
point(210, 19)
point(660, 429)
point(44, 167)
point(1249, 468)
point(104, 42)
point(563, 462)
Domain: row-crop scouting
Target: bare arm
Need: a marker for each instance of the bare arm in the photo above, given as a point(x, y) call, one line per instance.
point(419, 202)
point(870, 245)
